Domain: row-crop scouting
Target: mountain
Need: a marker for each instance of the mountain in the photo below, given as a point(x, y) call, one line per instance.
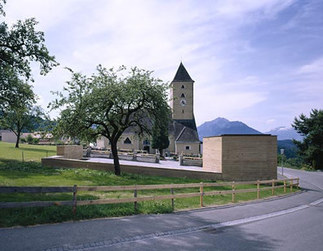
point(284, 133)
point(221, 126)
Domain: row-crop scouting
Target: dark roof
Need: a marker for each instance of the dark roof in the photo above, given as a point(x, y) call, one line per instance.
point(182, 75)
point(188, 135)
point(184, 130)
point(190, 123)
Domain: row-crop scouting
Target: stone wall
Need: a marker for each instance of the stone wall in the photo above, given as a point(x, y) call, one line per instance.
point(70, 151)
point(144, 170)
point(241, 157)
point(190, 162)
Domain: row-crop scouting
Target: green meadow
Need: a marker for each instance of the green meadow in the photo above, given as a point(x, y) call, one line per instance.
point(22, 167)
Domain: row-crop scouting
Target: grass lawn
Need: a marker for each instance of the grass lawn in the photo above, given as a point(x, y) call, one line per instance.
point(14, 172)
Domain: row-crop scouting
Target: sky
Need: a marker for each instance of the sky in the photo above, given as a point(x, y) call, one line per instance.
point(259, 62)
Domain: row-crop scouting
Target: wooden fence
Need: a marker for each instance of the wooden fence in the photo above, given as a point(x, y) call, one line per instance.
point(273, 184)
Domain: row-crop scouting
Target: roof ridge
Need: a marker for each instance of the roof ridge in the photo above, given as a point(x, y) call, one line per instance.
point(180, 134)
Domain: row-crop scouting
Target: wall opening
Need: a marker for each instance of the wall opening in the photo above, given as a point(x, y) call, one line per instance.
point(127, 141)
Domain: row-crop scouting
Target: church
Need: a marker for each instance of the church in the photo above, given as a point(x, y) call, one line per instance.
point(183, 136)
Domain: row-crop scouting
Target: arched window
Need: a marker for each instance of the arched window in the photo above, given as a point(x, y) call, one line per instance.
point(146, 142)
point(183, 86)
point(183, 95)
point(182, 111)
point(127, 141)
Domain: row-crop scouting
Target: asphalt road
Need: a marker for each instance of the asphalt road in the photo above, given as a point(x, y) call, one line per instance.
point(290, 223)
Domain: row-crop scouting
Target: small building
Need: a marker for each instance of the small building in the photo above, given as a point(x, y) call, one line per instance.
point(241, 157)
point(8, 136)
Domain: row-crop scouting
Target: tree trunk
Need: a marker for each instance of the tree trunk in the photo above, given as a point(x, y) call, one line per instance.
point(114, 150)
point(18, 139)
point(161, 151)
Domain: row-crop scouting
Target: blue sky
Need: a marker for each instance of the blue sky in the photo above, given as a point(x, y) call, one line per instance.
point(260, 62)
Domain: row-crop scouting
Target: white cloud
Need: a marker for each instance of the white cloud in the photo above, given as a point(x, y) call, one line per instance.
point(314, 67)
point(157, 35)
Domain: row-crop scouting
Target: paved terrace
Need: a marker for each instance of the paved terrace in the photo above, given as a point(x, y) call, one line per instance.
point(171, 164)
point(168, 168)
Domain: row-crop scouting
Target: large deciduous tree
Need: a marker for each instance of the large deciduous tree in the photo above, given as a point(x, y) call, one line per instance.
point(109, 102)
point(160, 138)
point(22, 44)
point(311, 148)
point(18, 112)
point(19, 46)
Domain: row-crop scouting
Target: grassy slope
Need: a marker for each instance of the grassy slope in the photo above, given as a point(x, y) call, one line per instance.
point(14, 172)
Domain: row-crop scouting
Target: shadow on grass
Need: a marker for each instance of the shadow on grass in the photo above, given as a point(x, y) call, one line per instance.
point(32, 148)
point(31, 216)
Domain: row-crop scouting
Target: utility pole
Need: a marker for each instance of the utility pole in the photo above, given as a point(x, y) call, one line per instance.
point(282, 160)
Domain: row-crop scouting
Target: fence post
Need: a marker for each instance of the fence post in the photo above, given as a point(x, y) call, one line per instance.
point(258, 189)
point(291, 185)
point(172, 192)
point(201, 194)
point(284, 186)
point(22, 156)
point(135, 202)
point(74, 199)
point(273, 187)
point(233, 192)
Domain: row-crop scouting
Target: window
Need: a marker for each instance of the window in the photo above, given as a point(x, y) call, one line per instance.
point(127, 141)
point(183, 95)
point(146, 142)
point(182, 111)
point(187, 147)
point(183, 86)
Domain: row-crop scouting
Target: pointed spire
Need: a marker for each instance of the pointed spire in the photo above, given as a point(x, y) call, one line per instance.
point(182, 75)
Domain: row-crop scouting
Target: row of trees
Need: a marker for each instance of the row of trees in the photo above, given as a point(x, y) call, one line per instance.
point(19, 46)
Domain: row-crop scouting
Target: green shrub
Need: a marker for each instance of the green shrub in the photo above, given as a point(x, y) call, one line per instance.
point(29, 139)
point(35, 141)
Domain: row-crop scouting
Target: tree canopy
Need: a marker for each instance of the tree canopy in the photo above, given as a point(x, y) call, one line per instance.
point(160, 138)
point(109, 102)
point(311, 148)
point(18, 112)
point(19, 46)
point(22, 44)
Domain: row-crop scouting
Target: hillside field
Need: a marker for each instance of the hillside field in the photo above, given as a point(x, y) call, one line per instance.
point(29, 172)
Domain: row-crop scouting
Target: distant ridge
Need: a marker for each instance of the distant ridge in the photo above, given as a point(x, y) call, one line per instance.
point(221, 126)
point(284, 133)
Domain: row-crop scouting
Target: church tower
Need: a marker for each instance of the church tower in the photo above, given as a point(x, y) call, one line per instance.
point(181, 94)
point(183, 136)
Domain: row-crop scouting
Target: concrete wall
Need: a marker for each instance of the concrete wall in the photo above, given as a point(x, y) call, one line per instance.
point(144, 170)
point(70, 151)
point(242, 157)
point(136, 142)
point(8, 136)
point(212, 154)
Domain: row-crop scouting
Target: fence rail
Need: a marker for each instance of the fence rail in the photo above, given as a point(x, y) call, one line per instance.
point(287, 183)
